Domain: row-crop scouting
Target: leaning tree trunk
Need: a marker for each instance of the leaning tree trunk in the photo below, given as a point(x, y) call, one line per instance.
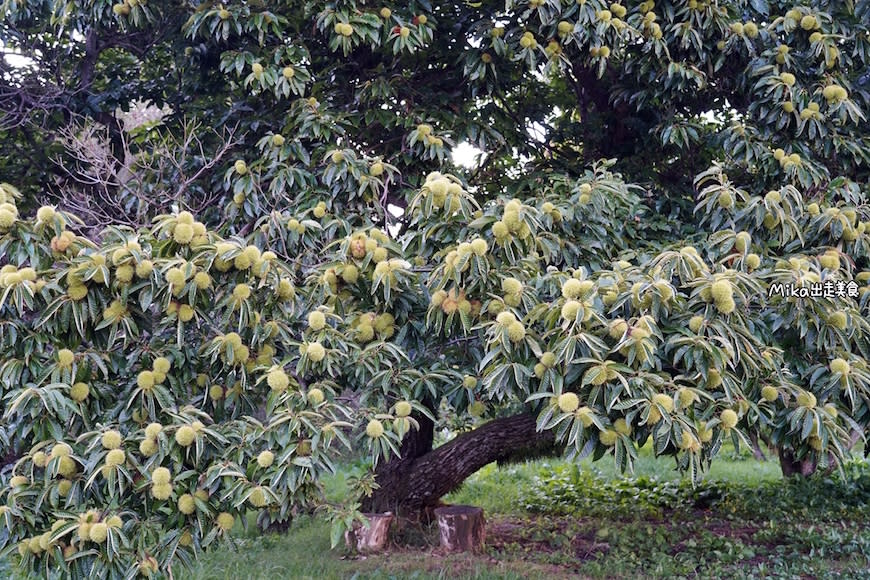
point(392, 476)
point(422, 476)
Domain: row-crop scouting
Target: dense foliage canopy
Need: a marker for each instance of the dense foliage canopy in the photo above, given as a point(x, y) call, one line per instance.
point(199, 312)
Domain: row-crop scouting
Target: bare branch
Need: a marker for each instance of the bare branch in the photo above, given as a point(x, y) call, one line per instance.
point(102, 188)
point(227, 137)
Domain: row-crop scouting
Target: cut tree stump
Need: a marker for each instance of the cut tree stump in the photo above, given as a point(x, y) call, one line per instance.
point(462, 528)
point(372, 538)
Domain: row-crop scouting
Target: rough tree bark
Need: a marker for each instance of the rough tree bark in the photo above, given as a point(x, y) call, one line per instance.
point(422, 476)
point(810, 464)
point(372, 538)
point(756, 447)
point(391, 476)
point(790, 465)
point(462, 528)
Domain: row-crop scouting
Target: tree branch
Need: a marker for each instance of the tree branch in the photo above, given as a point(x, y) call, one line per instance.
point(413, 484)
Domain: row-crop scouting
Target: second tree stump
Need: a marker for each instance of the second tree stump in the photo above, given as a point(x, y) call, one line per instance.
point(462, 528)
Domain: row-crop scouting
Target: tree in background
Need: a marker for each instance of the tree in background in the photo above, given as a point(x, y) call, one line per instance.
point(600, 277)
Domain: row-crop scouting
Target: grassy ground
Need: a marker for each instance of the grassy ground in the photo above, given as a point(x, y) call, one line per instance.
point(553, 519)
point(549, 519)
point(499, 489)
point(305, 553)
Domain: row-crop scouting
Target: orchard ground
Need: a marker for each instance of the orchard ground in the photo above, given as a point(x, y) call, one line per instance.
point(550, 519)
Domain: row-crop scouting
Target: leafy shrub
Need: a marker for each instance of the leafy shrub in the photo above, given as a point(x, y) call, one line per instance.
point(828, 497)
point(569, 490)
point(572, 490)
point(135, 367)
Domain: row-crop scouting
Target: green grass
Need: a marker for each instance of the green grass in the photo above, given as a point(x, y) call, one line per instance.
point(499, 489)
point(553, 519)
point(304, 553)
point(728, 466)
point(743, 522)
point(273, 556)
point(750, 525)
